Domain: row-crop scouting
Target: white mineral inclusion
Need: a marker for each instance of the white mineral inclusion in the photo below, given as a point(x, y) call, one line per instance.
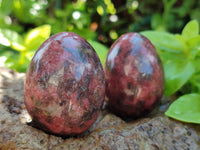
point(113, 54)
point(75, 37)
point(151, 58)
point(55, 78)
point(61, 36)
point(125, 37)
point(39, 54)
point(129, 92)
point(80, 68)
point(127, 69)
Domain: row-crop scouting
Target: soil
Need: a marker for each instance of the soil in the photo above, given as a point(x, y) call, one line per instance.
point(153, 132)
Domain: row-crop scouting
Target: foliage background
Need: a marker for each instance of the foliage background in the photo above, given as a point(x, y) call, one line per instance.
point(25, 24)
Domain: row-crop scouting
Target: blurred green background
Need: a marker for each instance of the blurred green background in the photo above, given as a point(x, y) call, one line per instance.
point(25, 24)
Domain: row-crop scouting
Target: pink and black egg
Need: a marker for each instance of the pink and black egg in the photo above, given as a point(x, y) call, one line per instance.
point(134, 76)
point(65, 86)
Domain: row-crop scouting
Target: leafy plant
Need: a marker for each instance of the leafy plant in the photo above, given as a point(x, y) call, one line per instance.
point(23, 47)
point(100, 49)
point(180, 54)
point(186, 108)
point(171, 13)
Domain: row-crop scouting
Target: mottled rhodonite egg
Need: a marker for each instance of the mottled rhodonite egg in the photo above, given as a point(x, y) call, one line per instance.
point(65, 86)
point(134, 76)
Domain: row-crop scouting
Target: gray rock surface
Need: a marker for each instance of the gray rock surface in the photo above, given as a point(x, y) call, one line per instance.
point(155, 132)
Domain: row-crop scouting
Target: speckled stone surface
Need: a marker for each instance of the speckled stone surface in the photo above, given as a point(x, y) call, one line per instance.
point(134, 76)
point(65, 87)
point(154, 132)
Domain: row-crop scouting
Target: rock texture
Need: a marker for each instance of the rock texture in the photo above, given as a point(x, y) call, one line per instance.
point(154, 132)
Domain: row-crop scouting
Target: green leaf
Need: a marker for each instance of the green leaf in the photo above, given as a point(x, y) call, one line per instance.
point(177, 73)
point(85, 33)
point(100, 49)
point(186, 108)
point(5, 53)
point(182, 40)
point(195, 81)
point(18, 62)
point(12, 39)
point(157, 22)
point(166, 56)
point(12, 60)
point(191, 46)
point(196, 63)
point(5, 7)
point(164, 41)
point(37, 36)
point(191, 29)
point(195, 51)
point(25, 12)
point(194, 41)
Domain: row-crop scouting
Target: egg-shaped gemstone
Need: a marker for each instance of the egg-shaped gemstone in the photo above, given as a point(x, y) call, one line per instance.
point(65, 87)
point(134, 76)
